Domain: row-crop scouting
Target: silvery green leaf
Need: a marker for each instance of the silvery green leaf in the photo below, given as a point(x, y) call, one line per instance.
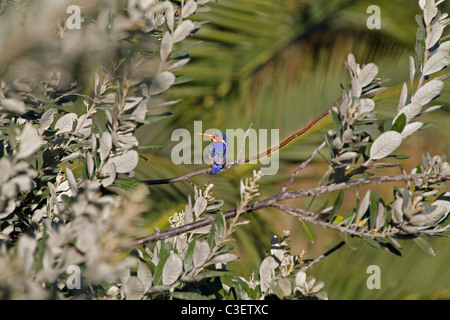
point(131, 102)
point(337, 143)
point(30, 141)
point(166, 45)
point(300, 278)
point(356, 87)
point(347, 156)
point(87, 237)
point(141, 111)
point(224, 258)
point(443, 18)
point(394, 242)
point(178, 65)
point(432, 214)
point(13, 105)
point(429, 11)
point(429, 218)
point(442, 201)
point(182, 243)
point(381, 216)
point(363, 207)
point(266, 272)
point(8, 206)
point(7, 230)
point(422, 4)
point(412, 70)
point(65, 123)
point(162, 82)
point(71, 156)
point(347, 136)
point(113, 292)
point(109, 172)
point(145, 275)
point(189, 8)
point(24, 182)
point(169, 103)
point(431, 109)
point(424, 245)
point(96, 83)
point(134, 288)
point(89, 164)
point(214, 205)
point(366, 105)
point(126, 141)
point(5, 169)
point(188, 218)
point(25, 249)
point(170, 14)
point(200, 206)
point(125, 162)
point(368, 73)
point(47, 119)
point(310, 281)
point(283, 288)
point(427, 92)
point(385, 144)
point(434, 35)
point(72, 182)
point(201, 253)
point(172, 269)
point(84, 126)
point(437, 61)
point(410, 129)
point(403, 96)
point(375, 91)
point(351, 64)
point(444, 46)
point(429, 193)
point(411, 111)
point(317, 287)
point(183, 30)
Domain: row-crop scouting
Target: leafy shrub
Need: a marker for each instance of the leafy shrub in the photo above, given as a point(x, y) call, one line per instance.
point(70, 105)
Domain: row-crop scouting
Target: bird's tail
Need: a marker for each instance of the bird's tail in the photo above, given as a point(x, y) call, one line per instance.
point(216, 168)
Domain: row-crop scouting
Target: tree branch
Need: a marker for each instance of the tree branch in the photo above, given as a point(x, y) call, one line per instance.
point(273, 202)
point(322, 256)
point(236, 162)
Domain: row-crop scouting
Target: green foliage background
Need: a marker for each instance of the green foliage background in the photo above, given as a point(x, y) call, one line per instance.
point(278, 64)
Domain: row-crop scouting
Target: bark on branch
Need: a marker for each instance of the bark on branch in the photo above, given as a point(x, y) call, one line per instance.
point(273, 202)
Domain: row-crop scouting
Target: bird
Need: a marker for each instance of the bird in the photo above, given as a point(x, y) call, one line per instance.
point(217, 150)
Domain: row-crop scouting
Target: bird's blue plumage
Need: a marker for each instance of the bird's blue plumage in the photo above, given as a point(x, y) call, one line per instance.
point(218, 152)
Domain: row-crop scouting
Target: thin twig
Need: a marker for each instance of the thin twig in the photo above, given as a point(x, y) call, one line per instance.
point(302, 166)
point(322, 256)
point(272, 202)
point(347, 184)
point(236, 162)
point(177, 179)
point(295, 135)
point(243, 141)
point(310, 217)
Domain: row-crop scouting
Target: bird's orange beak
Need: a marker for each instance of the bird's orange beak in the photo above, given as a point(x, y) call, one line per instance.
point(207, 135)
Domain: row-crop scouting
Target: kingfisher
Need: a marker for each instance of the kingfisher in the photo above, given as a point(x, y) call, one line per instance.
point(217, 150)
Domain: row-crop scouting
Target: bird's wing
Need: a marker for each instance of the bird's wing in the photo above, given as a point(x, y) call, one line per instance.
point(218, 152)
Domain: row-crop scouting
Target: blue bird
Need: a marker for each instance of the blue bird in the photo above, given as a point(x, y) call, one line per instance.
point(217, 150)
